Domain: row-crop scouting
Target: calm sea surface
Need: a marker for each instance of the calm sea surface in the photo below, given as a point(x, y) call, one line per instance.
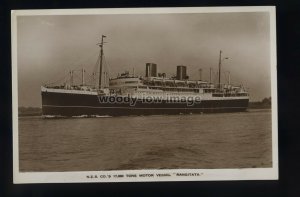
point(229, 140)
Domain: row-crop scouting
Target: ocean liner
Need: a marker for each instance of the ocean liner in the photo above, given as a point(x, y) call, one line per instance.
point(152, 94)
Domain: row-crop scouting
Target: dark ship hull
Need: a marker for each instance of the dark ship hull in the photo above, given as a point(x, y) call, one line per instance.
point(67, 104)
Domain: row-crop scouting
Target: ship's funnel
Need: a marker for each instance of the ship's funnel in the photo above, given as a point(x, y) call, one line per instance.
point(181, 73)
point(151, 70)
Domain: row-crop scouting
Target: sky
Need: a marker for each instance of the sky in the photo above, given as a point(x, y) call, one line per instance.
point(48, 47)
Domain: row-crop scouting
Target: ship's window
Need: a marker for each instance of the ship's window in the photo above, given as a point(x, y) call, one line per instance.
point(217, 95)
point(130, 81)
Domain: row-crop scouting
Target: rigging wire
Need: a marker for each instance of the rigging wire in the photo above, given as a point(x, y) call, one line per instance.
point(60, 79)
point(106, 65)
point(79, 63)
point(95, 70)
point(76, 76)
point(90, 80)
point(106, 68)
point(93, 78)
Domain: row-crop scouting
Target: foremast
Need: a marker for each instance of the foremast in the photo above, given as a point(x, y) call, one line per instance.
point(220, 65)
point(101, 61)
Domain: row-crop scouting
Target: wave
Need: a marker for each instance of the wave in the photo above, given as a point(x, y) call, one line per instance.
point(104, 116)
point(52, 116)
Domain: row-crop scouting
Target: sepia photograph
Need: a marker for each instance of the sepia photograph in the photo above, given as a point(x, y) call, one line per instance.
point(144, 94)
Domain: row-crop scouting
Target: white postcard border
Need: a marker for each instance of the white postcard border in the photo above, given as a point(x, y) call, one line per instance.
point(148, 175)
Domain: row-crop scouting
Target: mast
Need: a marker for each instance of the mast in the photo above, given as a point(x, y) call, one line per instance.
point(220, 62)
point(220, 56)
point(93, 78)
point(71, 77)
point(101, 62)
point(82, 77)
point(210, 73)
point(200, 74)
point(104, 79)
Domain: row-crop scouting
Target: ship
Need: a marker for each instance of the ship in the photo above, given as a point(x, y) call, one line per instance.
point(153, 94)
